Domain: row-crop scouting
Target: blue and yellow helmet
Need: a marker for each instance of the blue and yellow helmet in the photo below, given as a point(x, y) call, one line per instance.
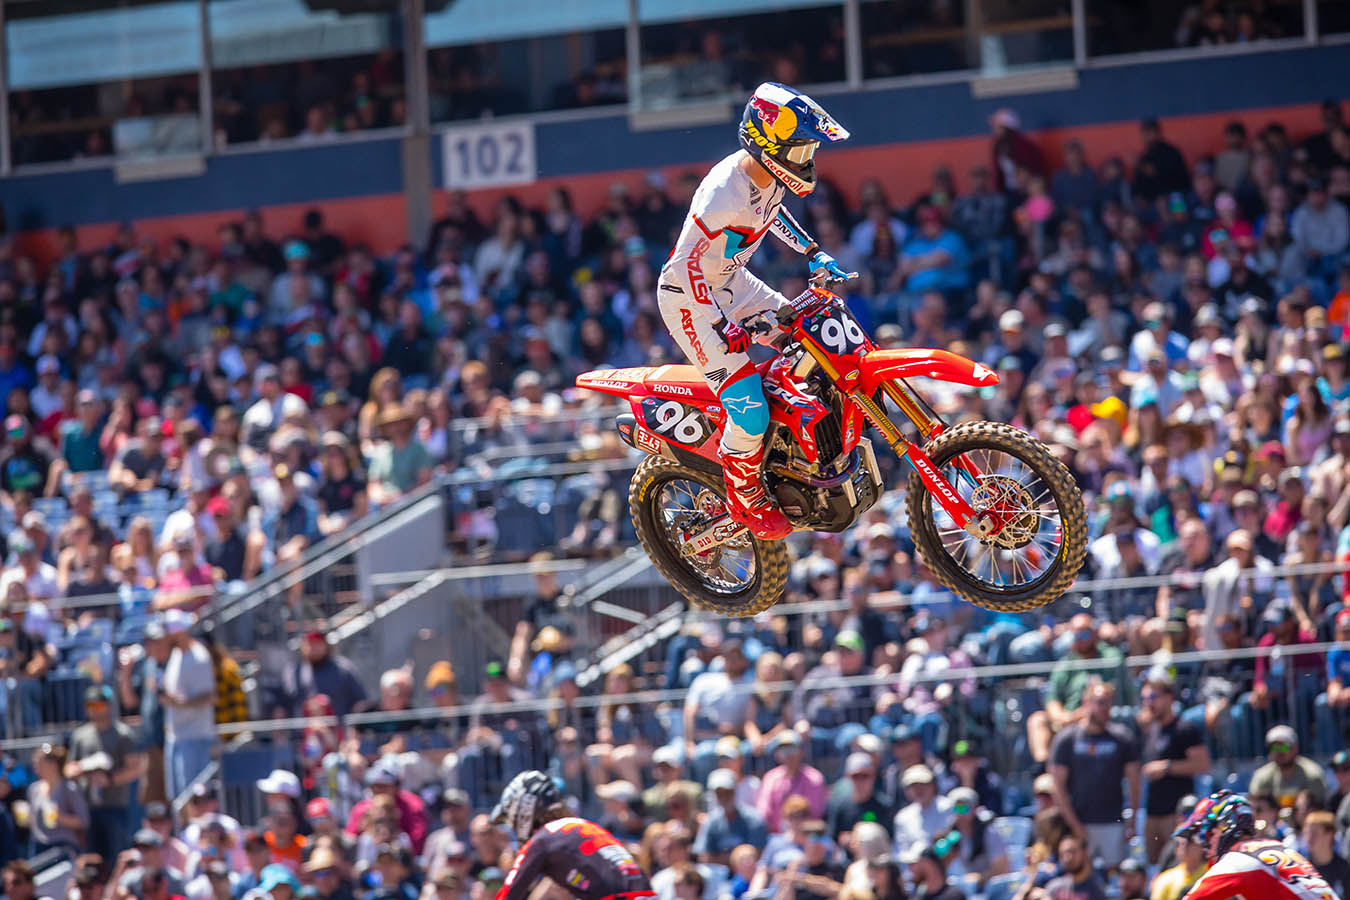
point(781, 128)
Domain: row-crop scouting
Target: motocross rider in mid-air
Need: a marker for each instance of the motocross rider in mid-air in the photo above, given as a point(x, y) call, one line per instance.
point(705, 290)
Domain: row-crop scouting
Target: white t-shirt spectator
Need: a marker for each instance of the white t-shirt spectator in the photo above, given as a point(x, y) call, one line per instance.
point(41, 584)
point(189, 674)
point(713, 696)
point(264, 415)
point(44, 402)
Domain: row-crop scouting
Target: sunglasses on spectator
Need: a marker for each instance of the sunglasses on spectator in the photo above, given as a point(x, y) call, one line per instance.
point(440, 690)
point(1280, 747)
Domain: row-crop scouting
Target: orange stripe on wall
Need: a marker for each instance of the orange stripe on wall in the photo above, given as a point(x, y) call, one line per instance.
point(379, 220)
point(904, 169)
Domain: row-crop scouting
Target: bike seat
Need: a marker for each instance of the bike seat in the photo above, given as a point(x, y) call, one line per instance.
point(679, 381)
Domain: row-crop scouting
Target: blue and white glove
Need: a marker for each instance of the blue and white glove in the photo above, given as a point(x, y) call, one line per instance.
point(821, 260)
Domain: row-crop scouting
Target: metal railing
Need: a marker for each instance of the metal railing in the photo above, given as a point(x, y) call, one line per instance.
point(987, 705)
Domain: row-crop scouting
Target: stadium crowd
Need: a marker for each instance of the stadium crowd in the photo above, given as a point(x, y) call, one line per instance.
point(179, 417)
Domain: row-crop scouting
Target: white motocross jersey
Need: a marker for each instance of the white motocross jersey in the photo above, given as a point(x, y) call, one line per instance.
point(1262, 870)
point(727, 220)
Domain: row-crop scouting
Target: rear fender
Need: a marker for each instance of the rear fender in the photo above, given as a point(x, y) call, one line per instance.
point(881, 366)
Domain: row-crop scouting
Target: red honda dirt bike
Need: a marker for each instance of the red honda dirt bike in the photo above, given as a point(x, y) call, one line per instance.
point(995, 516)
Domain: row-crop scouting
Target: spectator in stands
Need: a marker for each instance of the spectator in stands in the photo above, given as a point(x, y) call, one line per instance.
point(791, 777)
point(927, 812)
point(1064, 703)
point(382, 782)
point(718, 703)
point(1174, 882)
point(1012, 150)
point(981, 849)
point(1319, 836)
point(728, 824)
point(321, 671)
point(17, 880)
point(399, 463)
point(1174, 753)
point(59, 815)
point(1287, 772)
point(935, 258)
point(1132, 880)
point(1320, 228)
point(188, 694)
point(1090, 761)
point(928, 869)
point(107, 760)
point(1161, 169)
point(856, 799)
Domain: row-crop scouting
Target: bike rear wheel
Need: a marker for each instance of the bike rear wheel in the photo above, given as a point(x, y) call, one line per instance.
point(1035, 556)
point(742, 577)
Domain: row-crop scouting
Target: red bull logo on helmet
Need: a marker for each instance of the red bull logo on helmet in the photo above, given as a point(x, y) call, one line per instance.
point(767, 109)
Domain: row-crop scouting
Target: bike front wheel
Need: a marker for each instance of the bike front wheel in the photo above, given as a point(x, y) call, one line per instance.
point(1035, 554)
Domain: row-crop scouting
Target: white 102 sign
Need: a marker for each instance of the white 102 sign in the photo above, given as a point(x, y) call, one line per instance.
point(480, 156)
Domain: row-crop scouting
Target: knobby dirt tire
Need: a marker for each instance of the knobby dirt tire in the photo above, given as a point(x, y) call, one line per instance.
point(1068, 499)
point(771, 557)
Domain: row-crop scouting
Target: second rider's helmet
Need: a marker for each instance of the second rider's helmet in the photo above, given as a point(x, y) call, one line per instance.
point(781, 128)
point(527, 802)
point(1223, 812)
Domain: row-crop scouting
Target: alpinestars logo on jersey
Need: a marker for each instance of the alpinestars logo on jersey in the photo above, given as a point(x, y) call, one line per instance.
point(697, 283)
point(687, 323)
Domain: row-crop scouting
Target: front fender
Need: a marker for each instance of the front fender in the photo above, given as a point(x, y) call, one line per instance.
point(881, 366)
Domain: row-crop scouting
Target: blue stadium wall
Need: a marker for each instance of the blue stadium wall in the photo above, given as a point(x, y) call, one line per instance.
point(899, 135)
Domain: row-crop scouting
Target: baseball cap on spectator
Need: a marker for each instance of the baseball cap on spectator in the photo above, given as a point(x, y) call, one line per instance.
point(48, 364)
point(455, 797)
point(1054, 330)
point(1343, 619)
point(218, 506)
point(728, 746)
point(849, 640)
point(495, 669)
point(274, 875)
point(1044, 784)
point(1130, 864)
point(295, 250)
point(1269, 450)
point(321, 859)
point(666, 755)
point(1282, 734)
point(786, 738)
point(1012, 320)
point(318, 808)
point(440, 673)
point(280, 782)
point(902, 733)
point(1340, 761)
point(858, 762)
point(627, 791)
point(867, 742)
point(381, 774)
point(146, 837)
point(964, 796)
point(1222, 347)
point(98, 693)
point(722, 780)
point(34, 520)
point(916, 774)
